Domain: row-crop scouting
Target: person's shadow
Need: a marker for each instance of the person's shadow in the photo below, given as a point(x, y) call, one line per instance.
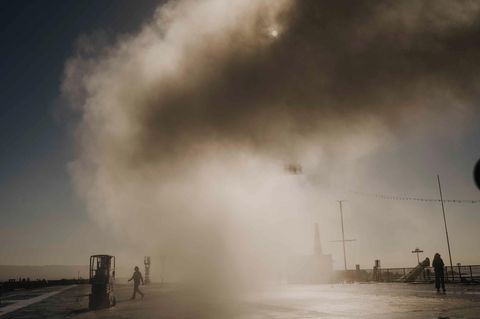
point(125, 300)
point(86, 309)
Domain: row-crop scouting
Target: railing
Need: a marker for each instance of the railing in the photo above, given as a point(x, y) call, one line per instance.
point(464, 274)
point(27, 284)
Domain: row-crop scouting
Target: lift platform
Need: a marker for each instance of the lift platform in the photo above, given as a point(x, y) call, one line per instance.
point(102, 278)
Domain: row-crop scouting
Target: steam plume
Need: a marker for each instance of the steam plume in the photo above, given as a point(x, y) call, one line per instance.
point(187, 124)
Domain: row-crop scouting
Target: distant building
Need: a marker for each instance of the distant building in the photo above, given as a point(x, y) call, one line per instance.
point(311, 269)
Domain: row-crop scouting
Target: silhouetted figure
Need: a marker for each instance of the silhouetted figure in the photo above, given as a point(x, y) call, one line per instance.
point(137, 278)
point(439, 266)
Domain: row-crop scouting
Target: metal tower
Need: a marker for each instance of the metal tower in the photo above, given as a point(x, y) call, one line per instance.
point(146, 261)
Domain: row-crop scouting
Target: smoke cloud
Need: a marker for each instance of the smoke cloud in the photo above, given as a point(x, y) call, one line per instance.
point(186, 125)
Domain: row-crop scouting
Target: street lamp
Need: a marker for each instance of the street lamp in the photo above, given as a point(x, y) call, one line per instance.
point(417, 251)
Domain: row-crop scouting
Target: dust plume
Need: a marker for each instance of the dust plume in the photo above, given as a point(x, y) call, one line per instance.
point(186, 125)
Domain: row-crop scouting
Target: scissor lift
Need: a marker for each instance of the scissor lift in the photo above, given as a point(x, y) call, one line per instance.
point(102, 277)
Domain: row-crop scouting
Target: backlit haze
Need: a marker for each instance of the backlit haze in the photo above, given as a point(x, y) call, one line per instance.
point(180, 131)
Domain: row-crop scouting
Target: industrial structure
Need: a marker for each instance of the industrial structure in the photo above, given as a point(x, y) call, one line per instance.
point(147, 263)
point(311, 269)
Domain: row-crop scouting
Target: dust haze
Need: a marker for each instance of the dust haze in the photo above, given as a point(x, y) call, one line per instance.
point(186, 125)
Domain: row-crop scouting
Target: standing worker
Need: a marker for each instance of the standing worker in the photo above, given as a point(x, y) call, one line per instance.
point(137, 278)
point(438, 266)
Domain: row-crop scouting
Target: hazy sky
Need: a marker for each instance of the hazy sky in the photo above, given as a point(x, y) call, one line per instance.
point(42, 222)
point(112, 142)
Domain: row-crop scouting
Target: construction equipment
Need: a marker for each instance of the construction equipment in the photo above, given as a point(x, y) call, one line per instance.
point(102, 277)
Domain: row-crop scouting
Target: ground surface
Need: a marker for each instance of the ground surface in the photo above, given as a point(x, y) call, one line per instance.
point(323, 301)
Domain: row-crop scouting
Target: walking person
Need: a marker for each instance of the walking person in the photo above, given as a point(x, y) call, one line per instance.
point(439, 266)
point(137, 278)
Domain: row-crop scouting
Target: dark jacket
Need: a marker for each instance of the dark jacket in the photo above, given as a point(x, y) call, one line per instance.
point(438, 263)
point(137, 277)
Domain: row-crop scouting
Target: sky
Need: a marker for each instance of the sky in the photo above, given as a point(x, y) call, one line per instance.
point(136, 131)
point(42, 218)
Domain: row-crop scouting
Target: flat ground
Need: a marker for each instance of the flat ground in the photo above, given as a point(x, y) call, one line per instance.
point(322, 301)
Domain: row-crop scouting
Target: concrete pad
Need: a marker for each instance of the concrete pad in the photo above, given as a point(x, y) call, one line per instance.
point(279, 302)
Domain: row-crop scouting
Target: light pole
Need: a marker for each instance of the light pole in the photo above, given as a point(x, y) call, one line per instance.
point(417, 251)
point(296, 169)
point(343, 240)
point(445, 223)
point(343, 235)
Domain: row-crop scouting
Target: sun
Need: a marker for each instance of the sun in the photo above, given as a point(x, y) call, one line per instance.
point(274, 33)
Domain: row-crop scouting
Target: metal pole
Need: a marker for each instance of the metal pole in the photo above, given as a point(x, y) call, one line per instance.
point(445, 222)
point(343, 236)
point(417, 251)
